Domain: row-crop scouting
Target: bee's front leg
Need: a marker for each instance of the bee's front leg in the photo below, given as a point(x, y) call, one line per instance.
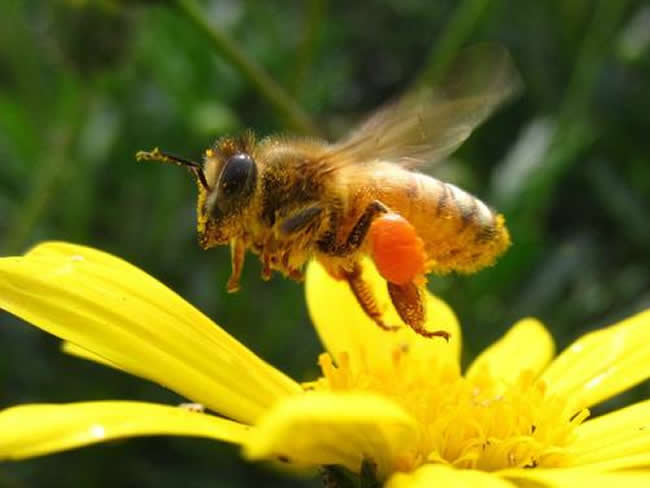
point(237, 255)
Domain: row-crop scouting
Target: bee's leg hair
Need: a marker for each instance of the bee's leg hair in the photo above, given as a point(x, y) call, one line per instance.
point(365, 297)
point(410, 302)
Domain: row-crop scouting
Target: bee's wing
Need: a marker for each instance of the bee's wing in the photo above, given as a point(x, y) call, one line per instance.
point(429, 123)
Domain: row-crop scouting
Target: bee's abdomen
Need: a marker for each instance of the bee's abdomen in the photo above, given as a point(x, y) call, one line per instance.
point(460, 232)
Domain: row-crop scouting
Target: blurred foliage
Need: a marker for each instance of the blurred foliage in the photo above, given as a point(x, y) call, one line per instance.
point(85, 84)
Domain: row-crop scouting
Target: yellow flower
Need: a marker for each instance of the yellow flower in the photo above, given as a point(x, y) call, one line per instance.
point(394, 402)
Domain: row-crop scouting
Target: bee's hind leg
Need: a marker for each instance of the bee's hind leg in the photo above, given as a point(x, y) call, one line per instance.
point(410, 302)
point(328, 244)
point(365, 297)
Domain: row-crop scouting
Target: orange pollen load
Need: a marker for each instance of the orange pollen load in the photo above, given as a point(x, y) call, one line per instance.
point(397, 250)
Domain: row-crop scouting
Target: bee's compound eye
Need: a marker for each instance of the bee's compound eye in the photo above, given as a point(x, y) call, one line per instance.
point(238, 176)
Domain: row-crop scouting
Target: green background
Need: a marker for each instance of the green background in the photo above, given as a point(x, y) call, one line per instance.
point(86, 84)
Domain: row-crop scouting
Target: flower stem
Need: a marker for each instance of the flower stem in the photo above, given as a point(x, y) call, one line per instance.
point(42, 191)
point(271, 91)
point(575, 131)
point(314, 16)
point(463, 21)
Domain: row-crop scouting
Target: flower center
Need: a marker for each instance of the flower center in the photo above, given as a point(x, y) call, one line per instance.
point(473, 424)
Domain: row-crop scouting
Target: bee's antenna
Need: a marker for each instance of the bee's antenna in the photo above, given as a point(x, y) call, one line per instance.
point(163, 157)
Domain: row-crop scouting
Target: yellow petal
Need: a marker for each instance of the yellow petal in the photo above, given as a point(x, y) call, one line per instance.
point(442, 476)
point(562, 478)
point(344, 327)
point(80, 352)
point(526, 346)
point(618, 437)
point(344, 429)
point(603, 363)
point(639, 461)
point(119, 313)
point(37, 429)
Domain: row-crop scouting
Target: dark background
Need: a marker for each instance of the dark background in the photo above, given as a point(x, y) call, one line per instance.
point(86, 84)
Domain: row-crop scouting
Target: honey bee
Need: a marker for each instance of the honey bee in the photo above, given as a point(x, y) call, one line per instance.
point(291, 199)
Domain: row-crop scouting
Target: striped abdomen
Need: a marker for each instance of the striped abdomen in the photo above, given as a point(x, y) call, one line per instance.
point(460, 232)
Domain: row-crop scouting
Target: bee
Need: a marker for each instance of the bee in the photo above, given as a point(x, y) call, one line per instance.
point(291, 199)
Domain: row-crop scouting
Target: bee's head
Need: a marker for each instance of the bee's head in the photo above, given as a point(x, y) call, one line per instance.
point(226, 182)
point(230, 174)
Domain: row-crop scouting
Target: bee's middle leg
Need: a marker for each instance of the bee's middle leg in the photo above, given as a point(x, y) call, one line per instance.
point(362, 292)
